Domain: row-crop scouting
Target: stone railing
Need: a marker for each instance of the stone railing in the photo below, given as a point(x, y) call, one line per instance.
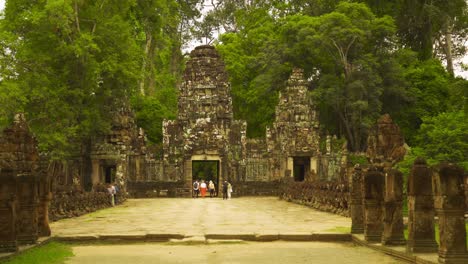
point(72, 203)
point(256, 188)
point(153, 189)
point(328, 196)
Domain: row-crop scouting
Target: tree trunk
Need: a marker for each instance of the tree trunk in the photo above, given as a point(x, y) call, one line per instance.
point(349, 132)
point(448, 47)
point(149, 40)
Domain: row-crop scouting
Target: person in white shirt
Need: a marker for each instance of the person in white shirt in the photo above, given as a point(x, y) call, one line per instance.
point(203, 189)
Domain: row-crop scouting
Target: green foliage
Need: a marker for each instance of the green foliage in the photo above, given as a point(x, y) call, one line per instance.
point(441, 138)
point(427, 93)
point(256, 71)
point(50, 253)
point(205, 170)
point(152, 110)
point(68, 67)
point(355, 158)
point(445, 137)
point(68, 64)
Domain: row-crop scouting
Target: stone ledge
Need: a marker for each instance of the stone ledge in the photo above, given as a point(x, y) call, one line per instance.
point(397, 251)
point(246, 237)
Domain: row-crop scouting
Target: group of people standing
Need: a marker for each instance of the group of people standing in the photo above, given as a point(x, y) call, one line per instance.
point(200, 188)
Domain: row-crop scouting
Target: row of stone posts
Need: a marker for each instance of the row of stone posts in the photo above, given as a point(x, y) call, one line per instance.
point(377, 208)
point(24, 189)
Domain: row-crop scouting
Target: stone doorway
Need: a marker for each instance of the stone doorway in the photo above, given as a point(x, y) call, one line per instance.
point(301, 166)
point(206, 170)
point(109, 174)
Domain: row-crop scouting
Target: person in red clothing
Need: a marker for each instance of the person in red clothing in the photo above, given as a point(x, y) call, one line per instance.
point(203, 189)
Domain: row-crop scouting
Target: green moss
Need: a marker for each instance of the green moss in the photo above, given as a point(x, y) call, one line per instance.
point(340, 229)
point(50, 253)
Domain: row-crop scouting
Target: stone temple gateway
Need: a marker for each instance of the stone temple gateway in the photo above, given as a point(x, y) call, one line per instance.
point(205, 130)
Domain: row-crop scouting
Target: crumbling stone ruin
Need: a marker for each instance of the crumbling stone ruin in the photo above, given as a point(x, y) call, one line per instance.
point(438, 190)
point(205, 128)
point(393, 209)
point(357, 201)
point(327, 196)
point(421, 230)
point(119, 156)
point(385, 141)
point(374, 184)
point(293, 139)
point(24, 191)
point(450, 207)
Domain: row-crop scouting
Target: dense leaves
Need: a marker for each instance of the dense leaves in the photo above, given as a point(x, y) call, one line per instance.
point(67, 64)
point(356, 61)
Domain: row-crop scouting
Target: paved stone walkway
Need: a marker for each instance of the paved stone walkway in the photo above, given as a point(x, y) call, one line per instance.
point(198, 217)
point(249, 252)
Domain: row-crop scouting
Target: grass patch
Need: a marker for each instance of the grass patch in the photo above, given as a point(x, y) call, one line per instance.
point(340, 229)
point(50, 253)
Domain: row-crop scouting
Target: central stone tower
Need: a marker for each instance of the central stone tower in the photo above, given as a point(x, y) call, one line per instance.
point(205, 129)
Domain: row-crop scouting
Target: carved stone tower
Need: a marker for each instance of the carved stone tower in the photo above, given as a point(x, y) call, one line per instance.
point(205, 129)
point(293, 140)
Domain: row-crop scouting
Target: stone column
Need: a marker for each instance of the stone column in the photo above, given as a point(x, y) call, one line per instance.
point(373, 199)
point(393, 209)
point(7, 212)
point(26, 221)
point(451, 210)
point(421, 233)
point(45, 196)
point(357, 211)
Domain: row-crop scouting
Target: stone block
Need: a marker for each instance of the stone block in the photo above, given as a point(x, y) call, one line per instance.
point(451, 213)
point(421, 229)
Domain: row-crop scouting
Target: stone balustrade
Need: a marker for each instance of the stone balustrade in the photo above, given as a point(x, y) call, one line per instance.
point(328, 196)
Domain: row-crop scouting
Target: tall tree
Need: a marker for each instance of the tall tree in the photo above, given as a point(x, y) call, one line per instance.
point(348, 47)
point(71, 62)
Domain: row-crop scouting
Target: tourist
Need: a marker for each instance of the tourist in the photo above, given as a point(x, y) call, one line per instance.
point(225, 190)
point(196, 189)
point(203, 189)
point(117, 191)
point(211, 187)
point(229, 191)
point(111, 191)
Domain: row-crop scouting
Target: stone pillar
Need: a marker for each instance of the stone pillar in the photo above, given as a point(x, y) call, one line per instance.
point(393, 209)
point(95, 176)
point(188, 173)
point(26, 221)
point(45, 196)
point(421, 233)
point(373, 199)
point(7, 212)
point(314, 168)
point(357, 211)
point(451, 210)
